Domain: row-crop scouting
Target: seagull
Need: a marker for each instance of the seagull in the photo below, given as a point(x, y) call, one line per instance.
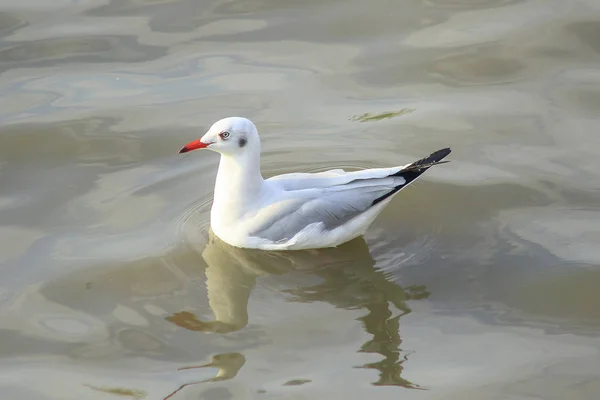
point(294, 211)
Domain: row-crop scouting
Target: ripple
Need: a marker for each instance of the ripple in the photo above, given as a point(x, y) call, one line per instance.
point(571, 234)
point(587, 32)
point(10, 22)
point(139, 341)
point(477, 69)
point(194, 223)
point(470, 4)
point(484, 26)
point(65, 325)
point(73, 49)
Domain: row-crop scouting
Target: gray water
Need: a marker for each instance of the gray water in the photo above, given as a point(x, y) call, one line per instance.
point(480, 281)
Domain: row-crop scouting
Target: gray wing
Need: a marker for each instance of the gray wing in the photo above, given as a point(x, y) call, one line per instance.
point(335, 205)
point(284, 219)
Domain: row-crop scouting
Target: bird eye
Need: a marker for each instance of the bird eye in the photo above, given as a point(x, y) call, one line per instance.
point(224, 135)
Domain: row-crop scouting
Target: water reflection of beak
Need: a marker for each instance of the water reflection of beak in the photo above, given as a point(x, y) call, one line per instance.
point(228, 364)
point(210, 364)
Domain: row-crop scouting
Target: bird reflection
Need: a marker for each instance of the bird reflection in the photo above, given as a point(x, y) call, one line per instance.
point(349, 280)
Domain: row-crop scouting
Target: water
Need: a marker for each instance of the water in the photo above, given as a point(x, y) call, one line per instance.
point(482, 280)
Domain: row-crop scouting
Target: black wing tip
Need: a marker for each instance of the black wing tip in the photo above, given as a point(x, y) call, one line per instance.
point(437, 156)
point(426, 162)
point(416, 169)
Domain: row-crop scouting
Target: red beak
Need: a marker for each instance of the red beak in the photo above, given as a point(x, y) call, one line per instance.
point(195, 145)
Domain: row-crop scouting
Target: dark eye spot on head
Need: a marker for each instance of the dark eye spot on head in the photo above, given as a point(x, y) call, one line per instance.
point(242, 142)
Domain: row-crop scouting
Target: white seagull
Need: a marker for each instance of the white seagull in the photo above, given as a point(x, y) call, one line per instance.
point(299, 210)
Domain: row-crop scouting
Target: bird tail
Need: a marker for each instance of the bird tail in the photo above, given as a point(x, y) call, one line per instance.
point(414, 170)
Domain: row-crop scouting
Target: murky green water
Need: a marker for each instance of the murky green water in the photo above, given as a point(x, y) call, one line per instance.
point(481, 281)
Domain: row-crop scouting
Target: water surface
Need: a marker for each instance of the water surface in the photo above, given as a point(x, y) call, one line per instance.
point(481, 280)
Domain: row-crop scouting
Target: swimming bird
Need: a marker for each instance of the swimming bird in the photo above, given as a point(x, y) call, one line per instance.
point(297, 210)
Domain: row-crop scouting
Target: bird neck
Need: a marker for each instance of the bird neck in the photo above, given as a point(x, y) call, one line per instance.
point(239, 180)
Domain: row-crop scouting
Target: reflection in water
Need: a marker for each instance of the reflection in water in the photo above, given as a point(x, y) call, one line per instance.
point(123, 392)
point(349, 280)
point(386, 341)
point(369, 117)
point(228, 364)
